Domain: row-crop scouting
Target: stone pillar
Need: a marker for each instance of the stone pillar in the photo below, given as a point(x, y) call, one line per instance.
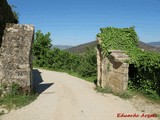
point(15, 56)
point(118, 79)
point(112, 71)
point(98, 64)
point(105, 72)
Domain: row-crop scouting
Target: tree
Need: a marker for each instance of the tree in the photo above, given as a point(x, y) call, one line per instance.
point(41, 48)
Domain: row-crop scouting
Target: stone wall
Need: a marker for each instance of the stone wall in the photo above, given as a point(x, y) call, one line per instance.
point(112, 71)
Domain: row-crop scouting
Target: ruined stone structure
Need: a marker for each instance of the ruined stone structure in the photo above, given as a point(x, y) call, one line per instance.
point(15, 50)
point(112, 71)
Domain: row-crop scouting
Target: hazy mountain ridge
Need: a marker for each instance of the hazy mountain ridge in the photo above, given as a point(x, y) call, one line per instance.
point(61, 47)
point(155, 44)
point(82, 48)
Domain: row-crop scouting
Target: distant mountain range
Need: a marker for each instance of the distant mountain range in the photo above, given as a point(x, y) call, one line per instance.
point(155, 44)
point(148, 47)
point(152, 46)
point(82, 48)
point(61, 47)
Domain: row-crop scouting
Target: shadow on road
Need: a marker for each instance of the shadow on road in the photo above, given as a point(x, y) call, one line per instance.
point(38, 86)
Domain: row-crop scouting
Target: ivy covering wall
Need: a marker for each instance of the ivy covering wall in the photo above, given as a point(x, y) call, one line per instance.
point(145, 66)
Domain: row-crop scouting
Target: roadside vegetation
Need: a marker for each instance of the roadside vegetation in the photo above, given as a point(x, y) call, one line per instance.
point(83, 66)
point(14, 98)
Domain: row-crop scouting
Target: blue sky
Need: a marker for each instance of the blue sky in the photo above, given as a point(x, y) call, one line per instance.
point(73, 22)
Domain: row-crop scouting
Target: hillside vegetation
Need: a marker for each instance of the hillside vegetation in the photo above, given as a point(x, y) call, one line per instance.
point(80, 49)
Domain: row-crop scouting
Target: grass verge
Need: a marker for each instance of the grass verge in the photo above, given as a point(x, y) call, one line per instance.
point(16, 101)
point(125, 95)
point(15, 98)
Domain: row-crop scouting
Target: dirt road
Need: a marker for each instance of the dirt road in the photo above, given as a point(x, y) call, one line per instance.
point(64, 97)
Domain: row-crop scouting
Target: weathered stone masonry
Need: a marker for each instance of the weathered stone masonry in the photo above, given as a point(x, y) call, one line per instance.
point(15, 51)
point(15, 55)
point(112, 71)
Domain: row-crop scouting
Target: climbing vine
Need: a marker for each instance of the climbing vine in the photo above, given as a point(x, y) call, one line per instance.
point(147, 64)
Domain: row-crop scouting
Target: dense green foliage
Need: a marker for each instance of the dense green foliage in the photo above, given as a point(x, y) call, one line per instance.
point(88, 64)
point(56, 59)
point(118, 38)
point(145, 71)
